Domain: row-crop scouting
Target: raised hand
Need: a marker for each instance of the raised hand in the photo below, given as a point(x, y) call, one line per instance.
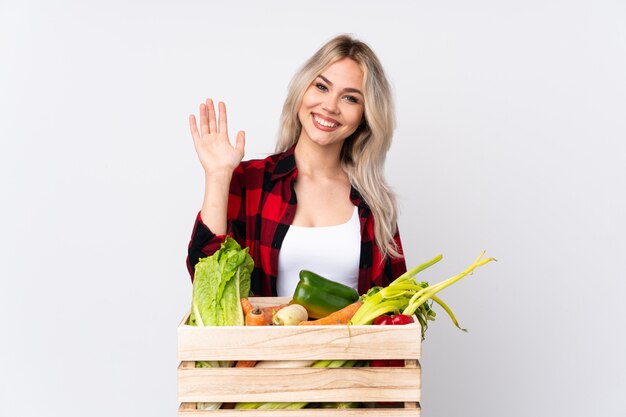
point(217, 155)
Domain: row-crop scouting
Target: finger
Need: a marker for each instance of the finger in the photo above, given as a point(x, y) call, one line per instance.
point(204, 123)
point(212, 123)
point(193, 126)
point(223, 119)
point(240, 142)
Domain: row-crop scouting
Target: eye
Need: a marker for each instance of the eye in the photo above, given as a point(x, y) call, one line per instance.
point(351, 99)
point(321, 87)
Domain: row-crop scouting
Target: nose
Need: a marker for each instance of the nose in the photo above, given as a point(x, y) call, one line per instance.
point(330, 104)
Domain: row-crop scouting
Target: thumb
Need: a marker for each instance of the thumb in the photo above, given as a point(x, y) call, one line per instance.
point(240, 142)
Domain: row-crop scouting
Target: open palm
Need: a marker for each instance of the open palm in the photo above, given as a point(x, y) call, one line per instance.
point(217, 155)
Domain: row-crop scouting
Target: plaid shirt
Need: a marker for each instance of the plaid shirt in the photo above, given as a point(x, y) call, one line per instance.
point(262, 205)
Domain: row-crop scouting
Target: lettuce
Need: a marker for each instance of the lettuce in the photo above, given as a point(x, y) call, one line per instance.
point(220, 281)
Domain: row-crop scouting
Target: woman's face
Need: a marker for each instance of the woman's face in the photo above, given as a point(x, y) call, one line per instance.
point(332, 106)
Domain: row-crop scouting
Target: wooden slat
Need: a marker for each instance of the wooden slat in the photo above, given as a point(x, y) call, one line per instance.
point(349, 412)
point(187, 365)
point(298, 384)
point(411, 363)
point(187, 406)
point(255, 301)
point(298, 342)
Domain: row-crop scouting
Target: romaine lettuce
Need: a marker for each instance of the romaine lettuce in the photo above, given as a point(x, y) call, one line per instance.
point(220, 281)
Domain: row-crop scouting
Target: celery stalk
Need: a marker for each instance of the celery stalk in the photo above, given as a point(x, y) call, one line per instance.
point(416, 270)
point(247, 406)
point(447, 310)
point(427, 293)
point(281, 406)
point(387, 306)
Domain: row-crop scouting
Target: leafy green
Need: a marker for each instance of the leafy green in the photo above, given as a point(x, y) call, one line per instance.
point(409, 296)
point(220, 281)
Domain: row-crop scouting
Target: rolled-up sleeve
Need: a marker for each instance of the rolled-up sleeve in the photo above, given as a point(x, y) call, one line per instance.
point(203, 241)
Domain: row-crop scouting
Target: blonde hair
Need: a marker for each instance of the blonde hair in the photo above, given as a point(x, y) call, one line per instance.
point(363, 153)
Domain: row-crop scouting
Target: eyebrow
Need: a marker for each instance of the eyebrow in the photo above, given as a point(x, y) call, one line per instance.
point(348, 89)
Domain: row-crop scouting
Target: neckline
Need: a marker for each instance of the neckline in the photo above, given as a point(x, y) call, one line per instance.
point(350, 220)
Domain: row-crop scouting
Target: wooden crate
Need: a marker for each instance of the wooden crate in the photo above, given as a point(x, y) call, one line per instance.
point(231, 385)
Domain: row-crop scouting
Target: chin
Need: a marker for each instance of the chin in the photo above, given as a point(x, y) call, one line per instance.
point(324, 140)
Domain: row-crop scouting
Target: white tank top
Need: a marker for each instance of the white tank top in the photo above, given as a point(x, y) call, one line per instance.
point(330, 251)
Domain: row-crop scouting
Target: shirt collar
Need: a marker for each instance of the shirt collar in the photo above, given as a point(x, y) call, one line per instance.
point(357, 198)
point(286, 164)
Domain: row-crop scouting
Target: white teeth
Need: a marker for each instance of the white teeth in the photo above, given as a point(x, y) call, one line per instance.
point(324, 122)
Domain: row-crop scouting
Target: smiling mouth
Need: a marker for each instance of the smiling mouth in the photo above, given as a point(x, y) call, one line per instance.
point(324, 122)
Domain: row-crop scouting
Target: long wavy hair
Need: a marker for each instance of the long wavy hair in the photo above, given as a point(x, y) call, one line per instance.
point(363, 153)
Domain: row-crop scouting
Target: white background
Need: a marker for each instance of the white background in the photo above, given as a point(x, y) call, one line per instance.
point(511, 128)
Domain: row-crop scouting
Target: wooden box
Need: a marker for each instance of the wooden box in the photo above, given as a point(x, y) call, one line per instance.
point(373, 386)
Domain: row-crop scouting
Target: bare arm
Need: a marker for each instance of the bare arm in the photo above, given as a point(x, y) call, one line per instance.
point(219, 159)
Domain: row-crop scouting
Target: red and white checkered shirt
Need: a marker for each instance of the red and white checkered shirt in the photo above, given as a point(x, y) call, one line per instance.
point(262, 205)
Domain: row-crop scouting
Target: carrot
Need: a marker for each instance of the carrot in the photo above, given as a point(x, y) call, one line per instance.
point(245, 364)
point(342, 316)
point(246, 305)
point(257, 317)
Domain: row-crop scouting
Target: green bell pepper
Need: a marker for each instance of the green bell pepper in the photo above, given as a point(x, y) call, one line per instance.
point(322, 296)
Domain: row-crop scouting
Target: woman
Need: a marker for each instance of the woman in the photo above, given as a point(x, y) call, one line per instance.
point(336, 128)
